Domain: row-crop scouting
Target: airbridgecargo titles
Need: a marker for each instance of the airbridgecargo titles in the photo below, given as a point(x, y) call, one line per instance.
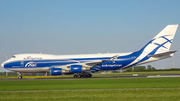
point(83, 65)
point(112, 65)
point(33, 58)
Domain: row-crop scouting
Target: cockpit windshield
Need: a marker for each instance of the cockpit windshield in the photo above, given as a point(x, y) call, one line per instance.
point(13, 56)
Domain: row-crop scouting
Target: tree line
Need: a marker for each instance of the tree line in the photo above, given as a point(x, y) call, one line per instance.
point(148, 68)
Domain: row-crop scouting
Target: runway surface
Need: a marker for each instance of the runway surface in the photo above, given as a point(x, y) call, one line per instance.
point(158, 76)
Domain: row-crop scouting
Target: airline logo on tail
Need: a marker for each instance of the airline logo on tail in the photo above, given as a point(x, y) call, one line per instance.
point(164, 42)
point(159, 44)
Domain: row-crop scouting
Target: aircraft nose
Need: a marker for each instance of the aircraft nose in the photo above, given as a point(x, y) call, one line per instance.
point(2, 65)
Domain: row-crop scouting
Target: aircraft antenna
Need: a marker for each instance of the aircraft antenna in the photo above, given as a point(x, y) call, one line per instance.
point(6, 57)
point(45, 51)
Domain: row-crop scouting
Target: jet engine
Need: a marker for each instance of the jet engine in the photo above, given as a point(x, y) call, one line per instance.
point(78, 68)
point(73, 69)
point(58, 71)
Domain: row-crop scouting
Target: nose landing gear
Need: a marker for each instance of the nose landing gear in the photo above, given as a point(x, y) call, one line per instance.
point(19, 75)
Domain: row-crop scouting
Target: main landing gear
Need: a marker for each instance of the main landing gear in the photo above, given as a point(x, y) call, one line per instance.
point(83, 75)
point(19, 75)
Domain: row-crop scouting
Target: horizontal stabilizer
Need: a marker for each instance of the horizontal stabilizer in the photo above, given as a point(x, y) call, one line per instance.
point(162, 54)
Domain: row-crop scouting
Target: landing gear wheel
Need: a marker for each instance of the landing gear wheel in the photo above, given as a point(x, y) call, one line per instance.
point(89, 75)
point(20, 77)
point(75, 76)
point(85, 76)
point(81, 76)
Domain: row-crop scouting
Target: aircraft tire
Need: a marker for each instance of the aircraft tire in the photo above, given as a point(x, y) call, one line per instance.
point(85, 76)
point(20, 77)
point(88, 76)
point(81, 76)
point(75, 76)
point(78, 76)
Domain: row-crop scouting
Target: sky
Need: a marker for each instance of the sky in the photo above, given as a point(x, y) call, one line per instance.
point(85, 26)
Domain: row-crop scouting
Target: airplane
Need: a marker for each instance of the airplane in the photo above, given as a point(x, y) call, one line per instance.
point(82, 65)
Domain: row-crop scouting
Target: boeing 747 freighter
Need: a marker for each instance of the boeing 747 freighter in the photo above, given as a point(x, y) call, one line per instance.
point(83, 65)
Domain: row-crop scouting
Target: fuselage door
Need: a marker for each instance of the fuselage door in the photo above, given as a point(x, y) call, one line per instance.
point(22, 64)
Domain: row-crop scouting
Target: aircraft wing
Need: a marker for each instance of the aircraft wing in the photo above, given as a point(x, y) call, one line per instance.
point(100, 62)
point(89, 64)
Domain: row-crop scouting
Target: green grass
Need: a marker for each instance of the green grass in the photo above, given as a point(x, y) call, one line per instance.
point(104, 95)
point(60, 84)
point(119, 89)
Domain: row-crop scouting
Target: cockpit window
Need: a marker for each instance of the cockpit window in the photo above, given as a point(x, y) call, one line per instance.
point(13, 56)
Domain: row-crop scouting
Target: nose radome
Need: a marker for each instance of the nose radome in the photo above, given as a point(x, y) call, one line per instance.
point(2, 65)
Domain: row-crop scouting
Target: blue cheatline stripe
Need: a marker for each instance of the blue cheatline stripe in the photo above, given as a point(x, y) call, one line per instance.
point(49, 63)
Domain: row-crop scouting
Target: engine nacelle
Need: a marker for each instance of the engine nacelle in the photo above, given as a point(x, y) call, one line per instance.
point(58, 71)
point(78, 68)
